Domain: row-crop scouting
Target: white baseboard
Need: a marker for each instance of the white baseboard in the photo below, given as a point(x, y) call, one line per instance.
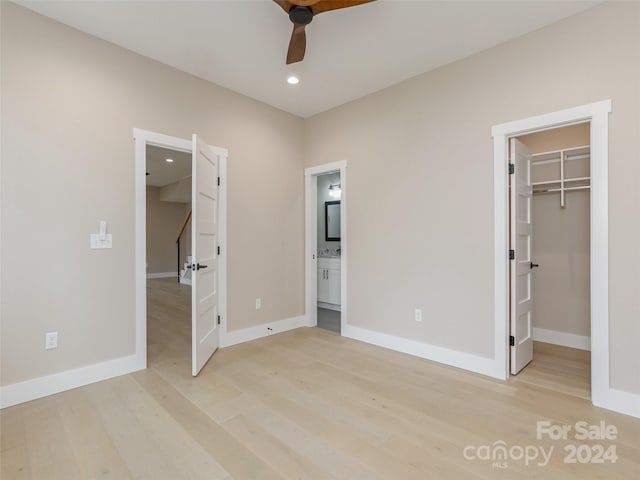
point(329, 306)
point(185, 281)
point(454, 358)
point(253, 333)
point(620, 401)
point(59, 382)
point(163, 275)
point(561, 338)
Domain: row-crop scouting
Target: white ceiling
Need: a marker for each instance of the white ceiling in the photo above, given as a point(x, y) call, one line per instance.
point(242, 44)
point(163, 173)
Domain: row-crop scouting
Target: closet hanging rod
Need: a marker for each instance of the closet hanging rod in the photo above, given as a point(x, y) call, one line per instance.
point(556, 160)
point(550, 152)
point(550, 190)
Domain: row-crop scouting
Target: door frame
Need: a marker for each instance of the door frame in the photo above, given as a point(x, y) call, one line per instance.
point(311, 241)
point(142, 138)
point(598, 115)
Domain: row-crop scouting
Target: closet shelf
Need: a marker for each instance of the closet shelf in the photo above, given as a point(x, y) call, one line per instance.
point(554, 156)
point(563, 184)
point(566, 180)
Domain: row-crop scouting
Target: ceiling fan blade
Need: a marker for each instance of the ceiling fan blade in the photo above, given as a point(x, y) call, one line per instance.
point(284, 4)
point(327, 5)
point(297, 44)
point(304, 3)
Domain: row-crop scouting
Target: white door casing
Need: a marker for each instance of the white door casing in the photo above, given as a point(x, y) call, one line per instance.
point(521, 242)
point(204, 245)
point(312, 275)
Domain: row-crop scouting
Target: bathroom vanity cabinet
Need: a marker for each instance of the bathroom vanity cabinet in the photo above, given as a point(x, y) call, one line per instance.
point(329, 281)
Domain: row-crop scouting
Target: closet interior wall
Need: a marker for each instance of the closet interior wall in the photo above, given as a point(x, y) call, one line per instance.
point(561, 236)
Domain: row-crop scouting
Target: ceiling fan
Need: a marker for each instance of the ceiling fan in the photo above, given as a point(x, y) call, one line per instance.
point(301, 12)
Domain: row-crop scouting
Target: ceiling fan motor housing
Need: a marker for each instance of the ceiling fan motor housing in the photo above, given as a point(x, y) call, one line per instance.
point(301, 15)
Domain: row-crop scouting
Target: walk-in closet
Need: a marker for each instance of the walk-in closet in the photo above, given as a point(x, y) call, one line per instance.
point(560, 259)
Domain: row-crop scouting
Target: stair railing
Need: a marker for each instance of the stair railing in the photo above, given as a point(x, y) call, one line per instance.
point(180, 233)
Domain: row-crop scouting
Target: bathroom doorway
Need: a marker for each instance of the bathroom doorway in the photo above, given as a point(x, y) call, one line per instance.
point(329, 192)
point(326, 247)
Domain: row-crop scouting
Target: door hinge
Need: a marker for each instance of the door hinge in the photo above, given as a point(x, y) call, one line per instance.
point(512, 340)
point(218, 319)
point(512, 169)
point(218, 181)
point(218, 249)
point(512, 254)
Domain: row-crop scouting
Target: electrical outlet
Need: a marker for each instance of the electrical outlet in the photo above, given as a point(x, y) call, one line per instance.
point(50, 340)
point(258, 303)
point(418, 314)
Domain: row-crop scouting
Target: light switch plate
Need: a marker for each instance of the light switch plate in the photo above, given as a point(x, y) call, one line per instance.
point(97, 243)
point(50, 340)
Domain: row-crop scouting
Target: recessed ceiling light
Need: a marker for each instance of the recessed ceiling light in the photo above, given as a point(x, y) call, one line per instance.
point(169, 160)
point(293, 80)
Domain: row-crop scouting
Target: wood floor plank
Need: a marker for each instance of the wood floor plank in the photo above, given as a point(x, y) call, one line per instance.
point(558, 368)
point(232, 455)
point(50, 454)
point(276, 453)
point(151, 443)
point(14, 461)
point(95, 454)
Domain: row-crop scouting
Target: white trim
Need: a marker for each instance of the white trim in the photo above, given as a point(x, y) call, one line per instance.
point(142, 139)
point(327, 168)
point(311, 240)
point(454, 358)
point(621, 402)
point(223, 157)
point(59, 382)
point(162, 275)
point(264, 330)
point(564, 339)
point(311, 249)
point(598, 116)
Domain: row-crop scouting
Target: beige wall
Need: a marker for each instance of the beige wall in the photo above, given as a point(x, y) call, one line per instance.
point(561, 239)
point(69, 105)
point(431, 138)
point(164, 220)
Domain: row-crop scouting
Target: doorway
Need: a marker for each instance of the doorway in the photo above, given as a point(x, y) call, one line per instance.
point(549, 275)
point(329, 192)
point(326, 246)
point(597, 114)
point(208, 299)
point(168, 250)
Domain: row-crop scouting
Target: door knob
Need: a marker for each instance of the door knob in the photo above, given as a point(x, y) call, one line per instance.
point(206, 266)
point(533, 265)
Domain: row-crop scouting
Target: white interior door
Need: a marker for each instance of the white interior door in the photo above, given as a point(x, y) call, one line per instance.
point(204, 249)
point(521, 241)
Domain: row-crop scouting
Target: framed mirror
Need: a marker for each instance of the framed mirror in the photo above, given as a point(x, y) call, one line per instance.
point(332, 221)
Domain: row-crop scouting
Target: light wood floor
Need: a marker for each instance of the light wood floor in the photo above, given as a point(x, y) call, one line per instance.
point(306, 404)
point(562, 369)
